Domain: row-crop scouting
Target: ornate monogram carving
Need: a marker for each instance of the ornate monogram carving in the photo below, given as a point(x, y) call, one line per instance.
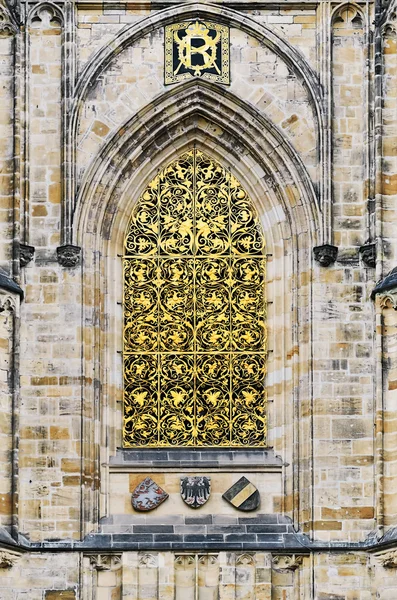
point(26, 254)
point(197, 49)
point(194, 312)
point(326, 254)
point(287, 562)
point(68, 255)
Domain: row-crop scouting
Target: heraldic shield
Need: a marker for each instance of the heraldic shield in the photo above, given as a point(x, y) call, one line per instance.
point(148, 495)
point(195, 491)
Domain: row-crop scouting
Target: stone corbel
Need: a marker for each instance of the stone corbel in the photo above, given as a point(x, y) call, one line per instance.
point(388, 560)
point(326, 254)
point(26, 254)
point(368, 255)
point(8, 559)
point(105, 562)
point(68, 255)
point(289, 562)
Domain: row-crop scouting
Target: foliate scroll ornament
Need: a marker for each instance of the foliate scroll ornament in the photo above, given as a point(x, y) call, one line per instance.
point(8, 559)
point(194, 311)
point(326, 254)
point(106, 562)
point(388, 560)
point(26, 254)
point(289, 562)
point(68, 255)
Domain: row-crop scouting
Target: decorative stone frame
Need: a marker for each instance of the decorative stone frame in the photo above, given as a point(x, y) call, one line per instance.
point(256, 153)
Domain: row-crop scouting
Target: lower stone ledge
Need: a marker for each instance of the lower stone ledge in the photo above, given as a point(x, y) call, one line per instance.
point(177, 458)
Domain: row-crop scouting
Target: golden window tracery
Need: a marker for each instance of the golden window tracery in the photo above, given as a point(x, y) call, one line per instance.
point(194, 311)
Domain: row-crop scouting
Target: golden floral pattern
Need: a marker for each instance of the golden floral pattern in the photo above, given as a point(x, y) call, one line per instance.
point(194, 311)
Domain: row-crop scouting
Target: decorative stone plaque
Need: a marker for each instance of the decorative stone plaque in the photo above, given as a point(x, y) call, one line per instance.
point(195, 491)
point(197, 49)
point(148, 495)
point(243, 495)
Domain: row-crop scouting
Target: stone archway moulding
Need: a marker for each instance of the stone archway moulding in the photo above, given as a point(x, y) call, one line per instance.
point(294, 60)
point(239, 130)
point(265, 162)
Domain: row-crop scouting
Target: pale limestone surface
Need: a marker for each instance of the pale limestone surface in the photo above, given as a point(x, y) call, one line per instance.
point(308, 125)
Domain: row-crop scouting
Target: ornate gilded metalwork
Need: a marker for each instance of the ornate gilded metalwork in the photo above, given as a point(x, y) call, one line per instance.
point(197, 49)
point(194, 311)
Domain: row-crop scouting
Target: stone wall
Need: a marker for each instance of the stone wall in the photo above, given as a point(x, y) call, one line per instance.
point(308, 125)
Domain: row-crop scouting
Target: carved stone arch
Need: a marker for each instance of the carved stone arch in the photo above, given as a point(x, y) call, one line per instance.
point(389, 14)
point(237, 127)
point(46, 15)
point(129, 34)
point(8, 26)
point(389, 30)
point(7, 303)
point(348, 15)
point(236, 135)
point(292, 58)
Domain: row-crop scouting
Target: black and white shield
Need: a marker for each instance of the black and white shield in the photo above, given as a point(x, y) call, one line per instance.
point(243, 495)
point(195, 491)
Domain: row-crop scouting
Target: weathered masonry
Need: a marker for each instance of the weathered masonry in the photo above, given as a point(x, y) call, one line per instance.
point(198, 300)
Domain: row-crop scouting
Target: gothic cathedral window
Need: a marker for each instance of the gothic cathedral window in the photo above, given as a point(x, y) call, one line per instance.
point(194, 311)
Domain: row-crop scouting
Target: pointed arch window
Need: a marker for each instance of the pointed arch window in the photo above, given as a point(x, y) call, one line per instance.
point(194, 311)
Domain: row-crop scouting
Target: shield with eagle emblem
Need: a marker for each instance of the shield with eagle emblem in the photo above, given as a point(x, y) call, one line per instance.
point(195, 491)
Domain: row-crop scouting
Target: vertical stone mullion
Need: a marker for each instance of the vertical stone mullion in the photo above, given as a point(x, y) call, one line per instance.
point(263, 576)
